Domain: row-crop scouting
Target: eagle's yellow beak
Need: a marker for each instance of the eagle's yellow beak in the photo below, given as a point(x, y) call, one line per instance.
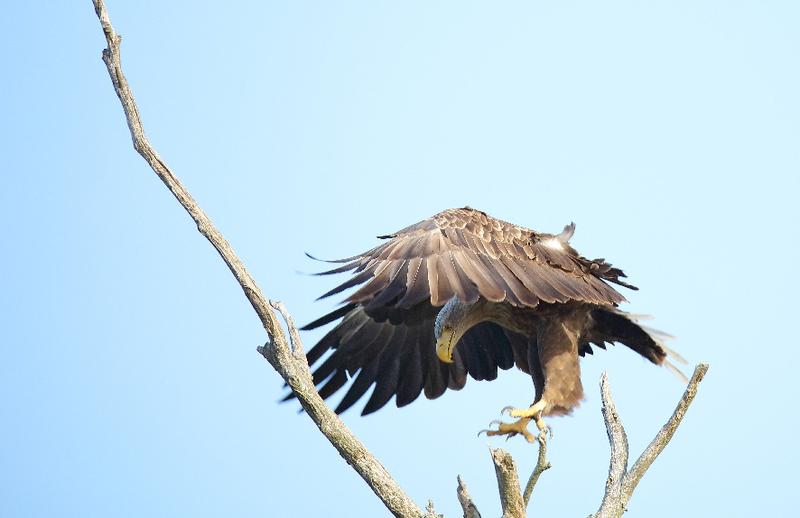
point(446, 344)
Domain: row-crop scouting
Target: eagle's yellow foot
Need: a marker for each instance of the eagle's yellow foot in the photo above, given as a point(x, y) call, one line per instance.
point(511, 429)
point(533, 412)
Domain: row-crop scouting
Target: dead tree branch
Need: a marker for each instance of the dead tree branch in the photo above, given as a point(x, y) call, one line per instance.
point(289, 362)
point(622, 482)
point(508, 483)
point(469, 508)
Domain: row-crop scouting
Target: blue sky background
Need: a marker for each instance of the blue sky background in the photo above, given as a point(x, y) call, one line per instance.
point(130, 384)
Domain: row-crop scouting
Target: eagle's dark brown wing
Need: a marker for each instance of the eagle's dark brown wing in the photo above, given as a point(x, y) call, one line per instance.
point(466, 253)
point(394, 350)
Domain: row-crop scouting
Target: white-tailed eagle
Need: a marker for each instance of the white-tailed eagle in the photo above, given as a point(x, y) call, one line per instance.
point(463, 293)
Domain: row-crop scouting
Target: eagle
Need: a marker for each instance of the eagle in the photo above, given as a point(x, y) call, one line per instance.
point(464, 294)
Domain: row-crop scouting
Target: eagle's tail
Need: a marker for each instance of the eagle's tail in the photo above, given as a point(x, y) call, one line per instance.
point(612, 325)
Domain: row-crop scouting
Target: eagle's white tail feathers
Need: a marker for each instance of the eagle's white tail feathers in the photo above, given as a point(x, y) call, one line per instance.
point(676, 371)
point(657, 333)
point(660, 337)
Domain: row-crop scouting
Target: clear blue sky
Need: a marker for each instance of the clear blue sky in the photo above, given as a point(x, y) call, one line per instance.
point(129, 380)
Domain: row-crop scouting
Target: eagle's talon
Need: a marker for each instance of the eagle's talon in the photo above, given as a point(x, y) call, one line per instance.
point(507, 409)
point(544, 431)
point(519, 427)
point(545, 435)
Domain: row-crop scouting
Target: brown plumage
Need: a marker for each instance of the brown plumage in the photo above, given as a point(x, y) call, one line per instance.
point(516, 297)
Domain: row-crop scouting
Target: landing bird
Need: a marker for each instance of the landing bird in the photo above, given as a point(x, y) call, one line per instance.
point(465, 293)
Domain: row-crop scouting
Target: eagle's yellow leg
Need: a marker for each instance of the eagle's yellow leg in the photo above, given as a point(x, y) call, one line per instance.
point(534, 411)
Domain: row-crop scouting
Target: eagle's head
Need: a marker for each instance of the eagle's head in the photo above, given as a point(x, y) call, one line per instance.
point(454, 319)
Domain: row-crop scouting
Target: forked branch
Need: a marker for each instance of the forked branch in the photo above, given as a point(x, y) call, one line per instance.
point(622, 481)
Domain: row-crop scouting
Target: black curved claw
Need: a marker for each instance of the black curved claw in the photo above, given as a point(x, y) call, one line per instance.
point(546, 434)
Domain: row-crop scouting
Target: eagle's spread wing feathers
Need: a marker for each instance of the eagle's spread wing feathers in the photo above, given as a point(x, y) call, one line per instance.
point(466, 253)
point(394, 351)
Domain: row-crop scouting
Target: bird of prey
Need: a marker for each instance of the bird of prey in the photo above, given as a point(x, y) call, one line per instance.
point(463, 293)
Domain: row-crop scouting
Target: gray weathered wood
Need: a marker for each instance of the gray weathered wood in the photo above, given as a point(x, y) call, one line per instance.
point(621, 481)
point(508, 483)
point(289, 362)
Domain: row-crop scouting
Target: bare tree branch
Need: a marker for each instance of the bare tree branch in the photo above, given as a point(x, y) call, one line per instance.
point(291, 366)
point(622, 482)
point(542, 464)
point(619, 446)
point(508, 483)
point(469, 508)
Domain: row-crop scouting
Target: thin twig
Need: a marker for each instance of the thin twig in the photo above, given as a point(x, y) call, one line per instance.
point(293, 369)
point(542, 464)
point(508, 484)
point(430, 511)
point(294, 335)
point(467, 505)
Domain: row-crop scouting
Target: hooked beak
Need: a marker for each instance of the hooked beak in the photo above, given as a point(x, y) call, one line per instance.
point(445, 344)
